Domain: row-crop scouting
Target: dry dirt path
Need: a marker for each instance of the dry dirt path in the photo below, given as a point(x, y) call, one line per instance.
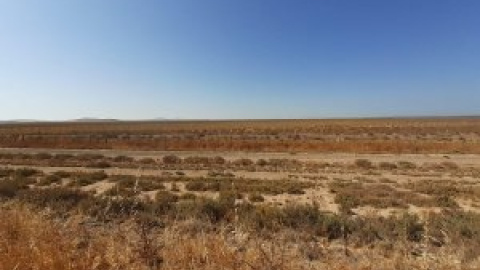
point(460, 159)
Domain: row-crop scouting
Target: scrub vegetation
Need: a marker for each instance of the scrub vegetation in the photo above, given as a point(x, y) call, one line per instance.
point(365, 204)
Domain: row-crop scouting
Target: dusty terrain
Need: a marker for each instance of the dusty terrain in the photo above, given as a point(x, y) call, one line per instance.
point(320, 169)
point(404, 192)
point(353, 136)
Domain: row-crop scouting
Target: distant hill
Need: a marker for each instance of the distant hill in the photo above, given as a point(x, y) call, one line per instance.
point(161, 119)
point(93, 120)
point(19, 121)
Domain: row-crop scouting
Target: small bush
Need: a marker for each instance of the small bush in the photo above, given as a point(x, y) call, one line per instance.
point(295, 190)
point(85, 179)
point(201, 185)
point(243, 162)
point(215, 210)
point(120, 192)
point(406, 165)
point(4, 172)
point(62, 174)
point(9, 188)
point(99, 164)
point(387, 166)
point(256, 197)
point(171, 159)
point(174, 187)
point(347, 202)
point(450, 165)
point(364, 163)
point(195, 160)
point(147, 161)
point(123, 159)
point(164, 196)
point(196, 186)
point(63, 157)
point(49, 180)
point(141, 184)
point(446, 201)
point(89, 157)
point(42, 156)
point(261, 162)
point(26, 172)
point(59, 199)
point(165, 201)
point(219, 160)
point(188, 196)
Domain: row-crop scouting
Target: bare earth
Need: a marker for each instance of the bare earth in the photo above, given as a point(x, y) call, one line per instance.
point(461, 159)
point(320, 194)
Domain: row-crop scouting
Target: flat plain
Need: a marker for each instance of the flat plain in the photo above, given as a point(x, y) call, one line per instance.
point(264, 194)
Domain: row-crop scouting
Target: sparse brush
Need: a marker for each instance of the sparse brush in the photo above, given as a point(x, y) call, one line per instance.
point(364, 163)
point(256, 197)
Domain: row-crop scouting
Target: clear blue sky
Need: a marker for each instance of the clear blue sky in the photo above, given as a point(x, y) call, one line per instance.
point(238, 58)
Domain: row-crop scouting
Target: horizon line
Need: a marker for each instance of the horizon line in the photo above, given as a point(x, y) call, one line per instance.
point(100, 120)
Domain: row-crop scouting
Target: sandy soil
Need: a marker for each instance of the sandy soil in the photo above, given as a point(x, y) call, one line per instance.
point(320, 194)
point(461, 159)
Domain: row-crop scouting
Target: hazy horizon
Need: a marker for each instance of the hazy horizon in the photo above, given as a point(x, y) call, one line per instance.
point(160, 119)
point(239, 59)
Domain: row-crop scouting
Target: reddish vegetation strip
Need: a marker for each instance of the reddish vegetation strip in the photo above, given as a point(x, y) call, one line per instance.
point(348, 136)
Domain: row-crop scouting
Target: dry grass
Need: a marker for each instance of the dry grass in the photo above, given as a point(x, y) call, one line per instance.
point(353, 136)
point(351, 195)
point(32, 240)
point(227, 220)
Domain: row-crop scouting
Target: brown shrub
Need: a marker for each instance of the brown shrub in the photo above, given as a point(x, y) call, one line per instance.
point(171, 159)
point(364, 163)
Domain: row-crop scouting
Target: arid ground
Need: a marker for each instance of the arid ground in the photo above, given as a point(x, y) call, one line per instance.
point(273, 194)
